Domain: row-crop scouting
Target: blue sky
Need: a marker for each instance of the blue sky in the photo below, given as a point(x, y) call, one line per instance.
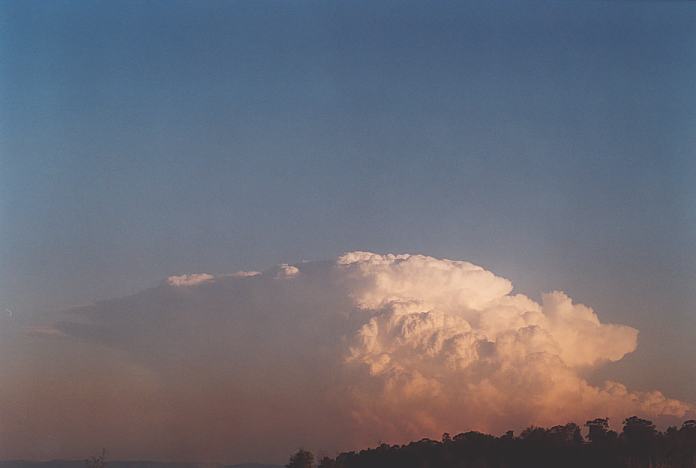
point(551, 142)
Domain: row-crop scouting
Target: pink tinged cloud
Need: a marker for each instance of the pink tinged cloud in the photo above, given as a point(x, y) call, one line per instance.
point(336, 355)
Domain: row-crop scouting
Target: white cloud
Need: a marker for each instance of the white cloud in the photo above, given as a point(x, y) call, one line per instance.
point(287, 271)
point(472, 349)
point(189, 280)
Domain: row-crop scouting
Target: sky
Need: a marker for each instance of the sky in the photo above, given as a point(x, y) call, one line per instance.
point(551, 143)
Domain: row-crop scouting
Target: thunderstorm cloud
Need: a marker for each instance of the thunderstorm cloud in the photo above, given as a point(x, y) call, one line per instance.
point(327, 355)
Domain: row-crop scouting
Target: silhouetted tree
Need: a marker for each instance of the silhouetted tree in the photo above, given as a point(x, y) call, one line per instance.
point(640, 445)
point(637, 430)
point(598, 430)
point(301, 459)
point(641, 442)
point(567, 434)
point(327, 462)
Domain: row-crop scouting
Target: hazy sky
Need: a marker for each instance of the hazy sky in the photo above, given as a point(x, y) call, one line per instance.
point(553, 143)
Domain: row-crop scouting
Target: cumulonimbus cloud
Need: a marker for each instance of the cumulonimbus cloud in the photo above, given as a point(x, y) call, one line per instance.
point(334, 355)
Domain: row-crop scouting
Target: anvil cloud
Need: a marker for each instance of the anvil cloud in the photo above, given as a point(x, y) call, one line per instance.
point(327, 355)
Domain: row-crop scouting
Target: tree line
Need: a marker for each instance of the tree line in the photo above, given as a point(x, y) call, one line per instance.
point(639, 445)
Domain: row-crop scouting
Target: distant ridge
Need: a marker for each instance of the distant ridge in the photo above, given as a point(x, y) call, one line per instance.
point(125, 464)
